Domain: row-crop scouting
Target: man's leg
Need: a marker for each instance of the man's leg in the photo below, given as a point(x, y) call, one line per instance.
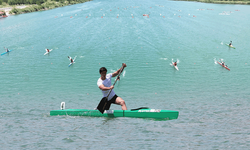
point(121, 102)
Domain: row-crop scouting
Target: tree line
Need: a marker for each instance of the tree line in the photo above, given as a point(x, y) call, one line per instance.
point(38, 2)
point(221, 1)
point(19, 2)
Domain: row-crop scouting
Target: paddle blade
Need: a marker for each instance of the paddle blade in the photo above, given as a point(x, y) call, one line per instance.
point(102, 106)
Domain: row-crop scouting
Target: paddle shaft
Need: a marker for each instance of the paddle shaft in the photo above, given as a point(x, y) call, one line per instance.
point(116, 80)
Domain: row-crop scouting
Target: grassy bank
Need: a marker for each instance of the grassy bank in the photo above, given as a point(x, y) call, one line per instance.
point(244, 2)
point(27, 8)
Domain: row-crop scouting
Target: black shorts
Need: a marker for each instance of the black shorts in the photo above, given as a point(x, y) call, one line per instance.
point(112, 101)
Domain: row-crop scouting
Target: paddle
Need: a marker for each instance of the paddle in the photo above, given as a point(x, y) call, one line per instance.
point(103, 105)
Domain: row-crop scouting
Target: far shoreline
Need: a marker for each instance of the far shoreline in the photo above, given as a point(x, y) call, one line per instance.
point(28, 8)
point(219, 2)
point(8, 9)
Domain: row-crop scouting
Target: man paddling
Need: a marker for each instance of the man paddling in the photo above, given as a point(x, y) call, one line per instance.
point(47, 50)
point(175, 63)
point(71, 60)
point(230, 44)
point(104, 84)
point(7, 50)
point(223, 64)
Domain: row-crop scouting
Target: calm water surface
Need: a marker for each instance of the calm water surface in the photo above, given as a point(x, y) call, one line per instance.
point(213, 102)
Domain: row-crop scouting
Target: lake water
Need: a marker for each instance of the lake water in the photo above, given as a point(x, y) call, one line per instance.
point(213, 103)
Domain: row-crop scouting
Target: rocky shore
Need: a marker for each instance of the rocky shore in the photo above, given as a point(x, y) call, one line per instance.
point(8, 9)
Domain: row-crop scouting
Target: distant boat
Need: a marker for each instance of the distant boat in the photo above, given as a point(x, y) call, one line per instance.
point(3, 14)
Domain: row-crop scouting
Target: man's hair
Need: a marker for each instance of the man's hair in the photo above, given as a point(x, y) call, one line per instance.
point(102, 69)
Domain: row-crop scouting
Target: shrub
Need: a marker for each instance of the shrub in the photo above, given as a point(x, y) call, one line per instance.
point(15, 10)
point(41, 7)
point(36, 8)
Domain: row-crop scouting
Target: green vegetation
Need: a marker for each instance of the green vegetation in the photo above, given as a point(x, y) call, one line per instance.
point(245, 2)
point(2, 13)
point(36, 5)
point(38, 2)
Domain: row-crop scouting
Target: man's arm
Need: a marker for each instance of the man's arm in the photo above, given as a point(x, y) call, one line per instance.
point(104, 88)
point(117, 72)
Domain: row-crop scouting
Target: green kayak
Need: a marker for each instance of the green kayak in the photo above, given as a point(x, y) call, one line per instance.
point(143, 112)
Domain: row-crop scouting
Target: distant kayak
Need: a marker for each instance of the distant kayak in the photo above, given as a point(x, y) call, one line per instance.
point(47, 51)
point(223, 65)
point(230, 46)
point(71, 63)
point(6, 52)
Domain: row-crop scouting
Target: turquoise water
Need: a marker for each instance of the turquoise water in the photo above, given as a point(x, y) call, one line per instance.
point(213, 102)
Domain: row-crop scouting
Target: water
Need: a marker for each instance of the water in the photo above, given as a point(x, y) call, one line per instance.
point(213, 102)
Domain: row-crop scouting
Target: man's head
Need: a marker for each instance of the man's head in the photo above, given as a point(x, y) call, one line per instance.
point(102, 70)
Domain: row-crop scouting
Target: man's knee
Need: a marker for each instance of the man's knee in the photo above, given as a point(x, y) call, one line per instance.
point(120, 101)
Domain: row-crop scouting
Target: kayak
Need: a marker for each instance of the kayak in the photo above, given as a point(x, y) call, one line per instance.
point(223, 66)
point(6, 52)
point(142, 112)
point(47, 51)
point(71, 63)
point(175, 66)
point(230, 46)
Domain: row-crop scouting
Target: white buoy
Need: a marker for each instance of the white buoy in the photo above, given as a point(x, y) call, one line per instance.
point(62, 105)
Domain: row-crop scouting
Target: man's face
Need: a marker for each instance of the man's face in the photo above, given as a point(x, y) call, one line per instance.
point(103, 74)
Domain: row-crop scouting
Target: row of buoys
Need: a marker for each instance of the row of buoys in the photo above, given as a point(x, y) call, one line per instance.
point(200, 9)
point(145, 15)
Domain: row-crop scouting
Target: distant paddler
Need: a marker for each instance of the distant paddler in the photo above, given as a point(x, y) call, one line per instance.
point(147, 15)
point(71, 60)
point(47, 51)
point(230, 44)
point(175, 65)
point(223, 64)
point(7, 50)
